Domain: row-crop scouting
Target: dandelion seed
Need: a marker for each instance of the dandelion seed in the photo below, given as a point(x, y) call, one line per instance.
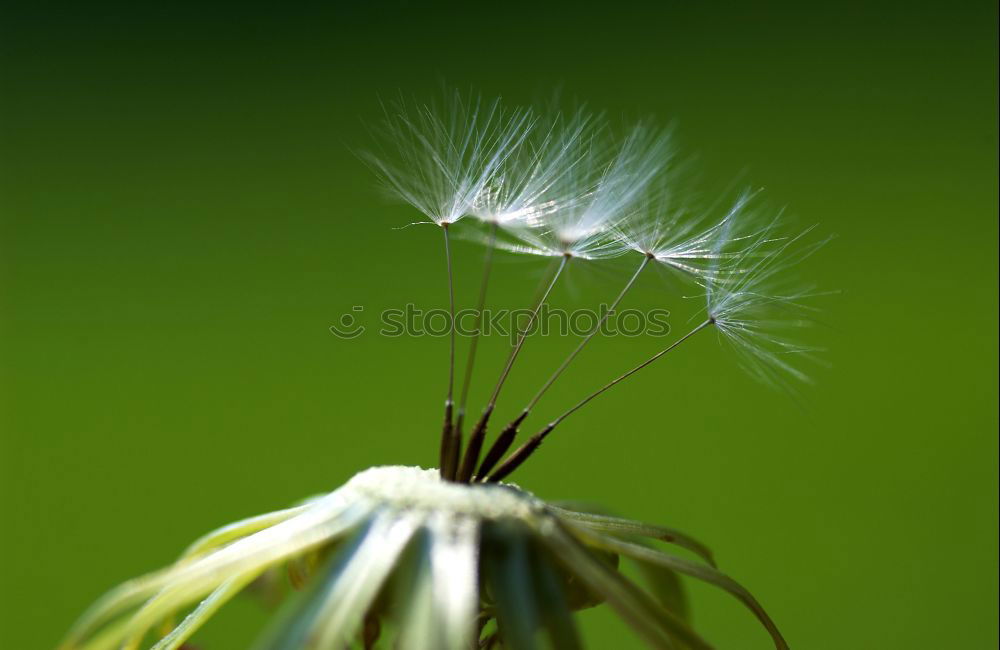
point(439, 161)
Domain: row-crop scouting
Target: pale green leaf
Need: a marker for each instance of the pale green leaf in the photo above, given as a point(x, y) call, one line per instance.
point(695, 570)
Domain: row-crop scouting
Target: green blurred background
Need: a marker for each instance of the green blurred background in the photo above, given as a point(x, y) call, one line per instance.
point(183, 220)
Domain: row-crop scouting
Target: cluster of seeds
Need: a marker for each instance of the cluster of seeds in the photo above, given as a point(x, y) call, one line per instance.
point(568, 186)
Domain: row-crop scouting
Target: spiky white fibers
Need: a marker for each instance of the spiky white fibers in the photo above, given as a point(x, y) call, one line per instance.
point(564, 186)
point(757, 309)
point(670, 229)
point(589, 199)
point(439, 158)
point(523, 188)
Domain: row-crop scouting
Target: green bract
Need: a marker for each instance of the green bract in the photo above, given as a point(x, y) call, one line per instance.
point(400, 556)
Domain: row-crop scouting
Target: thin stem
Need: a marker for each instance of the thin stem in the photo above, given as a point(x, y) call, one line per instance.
point(524, 451)
point(524, 333)
point(474, 343)
point(506, 437)
point(471, 458)
point(451, 313)
point(604, 318)
point(450, 444)
point(631, 372)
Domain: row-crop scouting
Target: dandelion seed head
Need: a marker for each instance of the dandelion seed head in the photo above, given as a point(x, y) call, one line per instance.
point(432, 547)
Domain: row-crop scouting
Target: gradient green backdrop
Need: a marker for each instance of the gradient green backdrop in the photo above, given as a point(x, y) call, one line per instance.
point(183, 220)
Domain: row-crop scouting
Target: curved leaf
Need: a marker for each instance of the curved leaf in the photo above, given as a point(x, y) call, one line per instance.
point(656, 625)
point(620, 526)
point(238, 529)
point(687, 567)
point(667, 588)
point(556, 614)
point(205, 610)
point(193, 577)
